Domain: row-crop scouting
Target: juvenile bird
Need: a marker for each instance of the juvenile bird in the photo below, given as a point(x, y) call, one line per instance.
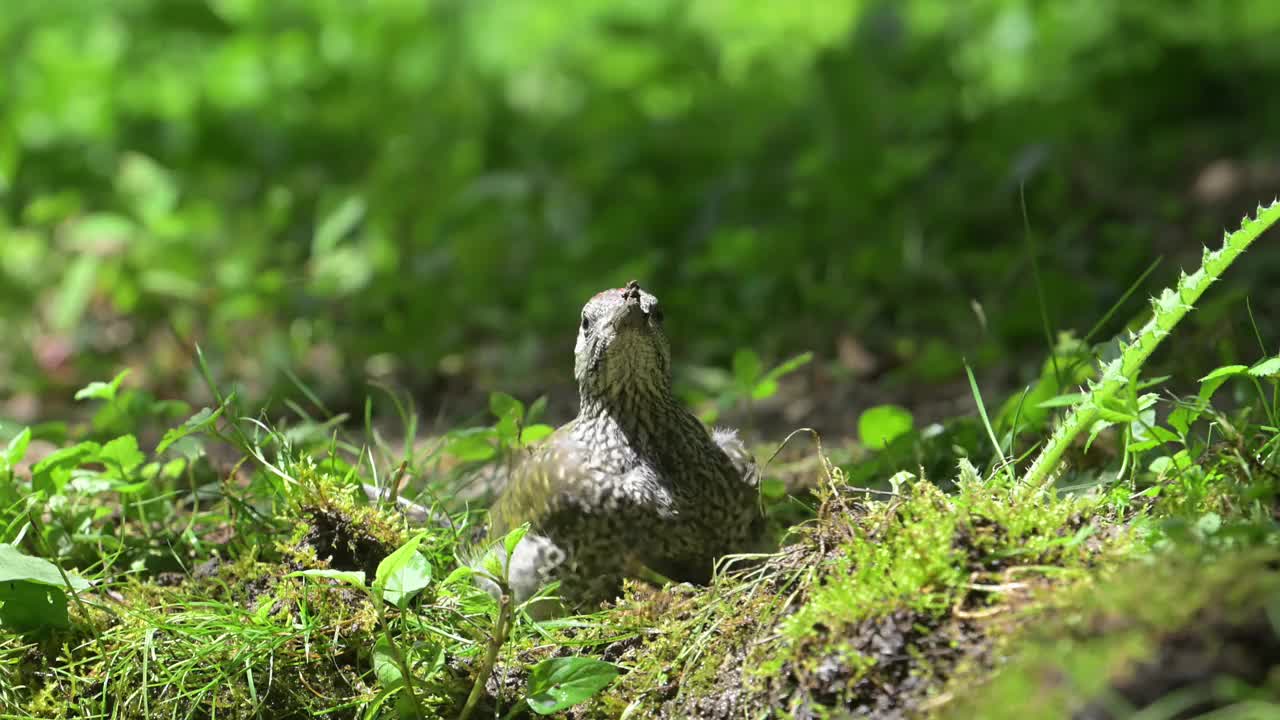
point(635, 480)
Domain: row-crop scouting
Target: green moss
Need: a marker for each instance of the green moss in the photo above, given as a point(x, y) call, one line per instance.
point(1196, 629)
point(873, 603)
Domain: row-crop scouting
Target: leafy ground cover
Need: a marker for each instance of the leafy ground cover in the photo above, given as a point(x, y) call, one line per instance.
point(232, 565)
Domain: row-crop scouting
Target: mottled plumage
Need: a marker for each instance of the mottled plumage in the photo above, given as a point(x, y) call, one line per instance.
point(635, 480)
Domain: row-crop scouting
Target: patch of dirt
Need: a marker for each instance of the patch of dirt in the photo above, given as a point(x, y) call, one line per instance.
point(893, 665)
point(347, 545)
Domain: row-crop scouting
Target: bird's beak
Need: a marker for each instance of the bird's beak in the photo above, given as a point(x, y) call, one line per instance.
point(631, 316)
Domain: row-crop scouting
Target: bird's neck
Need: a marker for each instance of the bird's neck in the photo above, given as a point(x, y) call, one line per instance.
point(638, 418)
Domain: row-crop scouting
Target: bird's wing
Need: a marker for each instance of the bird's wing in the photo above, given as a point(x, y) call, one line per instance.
point(537, 485)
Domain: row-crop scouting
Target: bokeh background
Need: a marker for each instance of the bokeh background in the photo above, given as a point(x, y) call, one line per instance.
point(422, 193)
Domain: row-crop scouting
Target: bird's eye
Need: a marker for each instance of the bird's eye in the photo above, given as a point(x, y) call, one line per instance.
point(586, 324)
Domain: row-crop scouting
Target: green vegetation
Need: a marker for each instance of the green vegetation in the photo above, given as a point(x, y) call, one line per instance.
point(257, 257)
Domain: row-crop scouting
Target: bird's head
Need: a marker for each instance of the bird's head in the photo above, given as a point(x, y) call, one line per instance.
point(621, 347)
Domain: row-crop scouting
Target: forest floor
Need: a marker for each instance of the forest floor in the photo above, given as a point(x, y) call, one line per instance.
point(239, 567)
point(261, 585)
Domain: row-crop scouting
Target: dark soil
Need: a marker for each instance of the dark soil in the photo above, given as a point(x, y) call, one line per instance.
point(346, 545)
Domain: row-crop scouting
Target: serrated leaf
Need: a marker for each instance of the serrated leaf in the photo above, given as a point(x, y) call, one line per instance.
point(1095, 430)
point(98, 390)
point(52, 473)
point(121, 456)
point(1266, 368)
point(194, 424)
point(1225, 372)
point(1182, 417)
point(559, 683)
point(1210, 383)
point(1116, 417)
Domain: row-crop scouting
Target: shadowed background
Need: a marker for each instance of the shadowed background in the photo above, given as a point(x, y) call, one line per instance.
point(423, 193)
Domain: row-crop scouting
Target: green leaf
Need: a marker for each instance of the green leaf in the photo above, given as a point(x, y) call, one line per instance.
point(148, 186)
point(1183, 416)
point(764, 390)
point(74, 294)
point(17, 448)
point(52, 473)
point(121, 456)
point(194, 424)
point(533, 434)
point(406, 582)
point(773, 488)
point(17, 566)
point(558, 683)
point(337, 225)
point(880, 425)
point(403, 573)
point(1210, 383)
point(355, 578)
point(27, 607)
point(472, 445)
point(768, 385)
point(1149, 436)
point(385, 666)
point(1209, 523)
point(788, 367)
point(98, 390)
point(503, 405)
point(460, 574)
point(508, 431)
point(32, 591)
point(1064, 400)
point(1266, 368)
point(535, 410)
point(1224, 372)
point(514, 537)
point(746, 368)
point(1095, 430)
point(1151, 382)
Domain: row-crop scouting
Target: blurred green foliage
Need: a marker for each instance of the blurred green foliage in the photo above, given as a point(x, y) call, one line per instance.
point(417, 187)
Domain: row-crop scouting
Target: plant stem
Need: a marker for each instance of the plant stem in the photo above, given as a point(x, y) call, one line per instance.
point(501, 628)
point(401, 661)
point(1169, 309)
